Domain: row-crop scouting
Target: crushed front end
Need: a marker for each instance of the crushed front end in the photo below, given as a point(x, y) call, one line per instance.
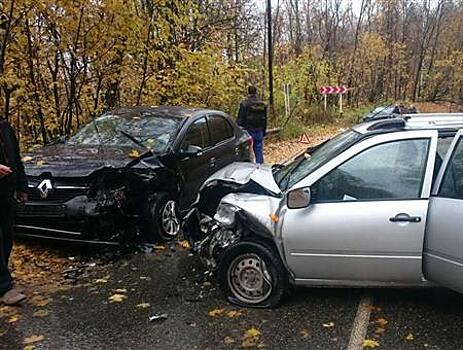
point(105, 206)
point(230, 210)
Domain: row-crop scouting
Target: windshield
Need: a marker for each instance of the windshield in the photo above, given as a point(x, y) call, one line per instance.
point(303, 165)
point(152, 132)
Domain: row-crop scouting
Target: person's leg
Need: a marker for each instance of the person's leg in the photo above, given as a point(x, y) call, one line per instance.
point(258, 145)
point(8, 229)
point(8, 294)
point(5, 276)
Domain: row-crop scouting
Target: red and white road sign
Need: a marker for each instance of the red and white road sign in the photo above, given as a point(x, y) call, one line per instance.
point(326, 90)
point(304, 139)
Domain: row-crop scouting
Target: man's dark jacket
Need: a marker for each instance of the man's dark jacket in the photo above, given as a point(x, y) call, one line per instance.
point(243, 113)
point(10, 156)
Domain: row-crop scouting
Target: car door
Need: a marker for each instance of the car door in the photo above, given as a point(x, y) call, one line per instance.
point(195, 169)
point(443, 249)
point(367, 215)
point(222, 140)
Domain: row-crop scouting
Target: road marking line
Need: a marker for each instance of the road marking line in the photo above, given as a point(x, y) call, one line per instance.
point(360, 326)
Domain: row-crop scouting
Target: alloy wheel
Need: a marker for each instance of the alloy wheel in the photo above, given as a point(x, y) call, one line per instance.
point(169, 221)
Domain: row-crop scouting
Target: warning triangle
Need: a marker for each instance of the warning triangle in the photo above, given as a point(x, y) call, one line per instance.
point(304, 138)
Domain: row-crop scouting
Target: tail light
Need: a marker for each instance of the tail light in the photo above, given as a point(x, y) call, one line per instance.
point(252, 156)
point(250, 142)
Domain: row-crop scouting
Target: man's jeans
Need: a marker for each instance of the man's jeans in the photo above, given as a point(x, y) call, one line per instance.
point(6, 244)
point(258, 143)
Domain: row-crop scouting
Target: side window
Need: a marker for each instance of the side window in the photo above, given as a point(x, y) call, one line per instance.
point(452, 184)
point(197, 135)
point(393, 170)
point(443, 145)
point(220, 129)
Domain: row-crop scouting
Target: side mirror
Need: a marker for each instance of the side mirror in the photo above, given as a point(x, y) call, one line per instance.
point(299, 198)
point(192, 151)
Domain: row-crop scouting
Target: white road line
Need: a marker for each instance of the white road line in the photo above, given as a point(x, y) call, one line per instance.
point(359, 328)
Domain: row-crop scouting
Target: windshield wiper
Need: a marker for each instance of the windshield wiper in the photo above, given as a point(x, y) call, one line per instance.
point(304, 156)
point(133, 139)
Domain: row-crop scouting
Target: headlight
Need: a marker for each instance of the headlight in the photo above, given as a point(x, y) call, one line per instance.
point(225, 215)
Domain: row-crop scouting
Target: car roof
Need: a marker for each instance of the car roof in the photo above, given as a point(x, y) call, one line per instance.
point(162, 111)
point(416, 121)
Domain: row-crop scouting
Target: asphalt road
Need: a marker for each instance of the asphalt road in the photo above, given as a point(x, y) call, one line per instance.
point(199, 318)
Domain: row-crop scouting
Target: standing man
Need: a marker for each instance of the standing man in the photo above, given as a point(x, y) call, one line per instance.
point(252, 116)
point(13, 187)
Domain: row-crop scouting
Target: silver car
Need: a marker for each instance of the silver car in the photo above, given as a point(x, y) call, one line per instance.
point(381, 204)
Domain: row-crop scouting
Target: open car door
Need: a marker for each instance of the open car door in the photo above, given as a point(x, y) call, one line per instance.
point(443, 249)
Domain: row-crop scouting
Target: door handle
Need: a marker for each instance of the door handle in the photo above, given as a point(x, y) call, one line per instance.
point(405, 218)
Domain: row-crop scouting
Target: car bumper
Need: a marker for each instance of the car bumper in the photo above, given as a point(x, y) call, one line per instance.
point(80, 218)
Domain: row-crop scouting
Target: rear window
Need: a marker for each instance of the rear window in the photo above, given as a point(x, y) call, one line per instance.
point(220, 129)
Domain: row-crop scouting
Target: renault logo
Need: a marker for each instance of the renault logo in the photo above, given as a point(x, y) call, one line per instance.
point(44, 187)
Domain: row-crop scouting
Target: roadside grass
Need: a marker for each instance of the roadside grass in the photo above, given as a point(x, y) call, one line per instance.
point(314, 118)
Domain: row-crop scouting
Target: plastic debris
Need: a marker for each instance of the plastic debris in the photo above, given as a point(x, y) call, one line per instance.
point(158, 317)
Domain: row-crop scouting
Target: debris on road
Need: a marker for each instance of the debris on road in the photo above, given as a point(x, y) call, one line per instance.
point(158, 317)
point(328, 325)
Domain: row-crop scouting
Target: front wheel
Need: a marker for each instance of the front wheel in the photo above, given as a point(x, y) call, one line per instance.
point(252, 274)
point(162, 221)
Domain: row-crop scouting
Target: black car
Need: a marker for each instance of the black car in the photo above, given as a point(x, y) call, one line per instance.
point(380, 113)
point(129, 173)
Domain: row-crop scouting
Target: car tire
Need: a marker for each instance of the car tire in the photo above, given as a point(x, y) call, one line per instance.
point(251, 274)
point(161, 222)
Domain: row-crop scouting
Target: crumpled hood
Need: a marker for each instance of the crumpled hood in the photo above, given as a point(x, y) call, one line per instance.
point(74, 160)
point(242, 173)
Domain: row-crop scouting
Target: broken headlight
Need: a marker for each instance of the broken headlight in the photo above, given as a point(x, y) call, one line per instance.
point(226, 215)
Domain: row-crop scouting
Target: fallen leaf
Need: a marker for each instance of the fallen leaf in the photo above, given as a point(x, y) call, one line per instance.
point(228, 340)
point(250, 338)
point(120, 291)
point(134, 154)
point(143, 305)
point(381, 322)
point(249, 343)
point(304, 333)
point(33, 339)
point(216, 312)
point(410, 337)
point(252, 332)
point(117, 298)
point(26, 159)
point(101, 280)
point(40, 163)
point(40, 300)
point(13, 319)
point(159, 247)
point(41, 313)
point(29, 347)
point(328, 325)
point(370, 343)
point(234, 313)
point(184, 244)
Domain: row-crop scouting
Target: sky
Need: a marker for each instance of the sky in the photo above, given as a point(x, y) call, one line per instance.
point(355, 4)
